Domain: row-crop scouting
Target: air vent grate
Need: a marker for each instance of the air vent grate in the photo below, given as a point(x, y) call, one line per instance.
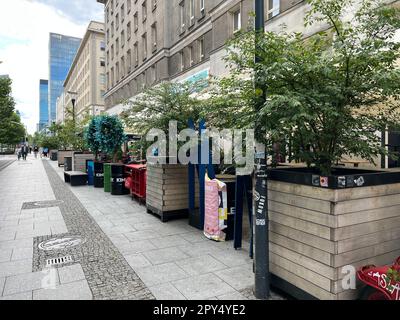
point(58, 261)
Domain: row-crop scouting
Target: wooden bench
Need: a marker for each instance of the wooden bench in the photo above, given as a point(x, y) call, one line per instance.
point(76, 178)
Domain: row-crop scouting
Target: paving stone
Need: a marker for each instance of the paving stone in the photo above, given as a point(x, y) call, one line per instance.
point(136, 247)
point(71, 291)
point(137, 261)
point(202, 287)
point(238, 277)
point(166, 291)
point(2, 282)
point(169, 241)
point(159, 274)
point(30, 281)
point(165, 255)
point(15, 267)
point(9, 235)
point(13, 244)
point(5, 255)
point(142, 235)
point(22, 253)
point(71, 273)
point(19, 296)
point(200, 265)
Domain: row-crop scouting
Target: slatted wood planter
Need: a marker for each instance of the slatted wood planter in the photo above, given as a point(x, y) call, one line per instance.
point(167, 193)
point(315, 232)
point(79, 161)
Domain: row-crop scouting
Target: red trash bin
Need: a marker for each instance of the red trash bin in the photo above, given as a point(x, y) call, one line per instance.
point(136, 180)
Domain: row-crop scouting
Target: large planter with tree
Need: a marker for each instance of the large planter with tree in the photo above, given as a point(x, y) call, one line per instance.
point(167, 193)
point(317, 100)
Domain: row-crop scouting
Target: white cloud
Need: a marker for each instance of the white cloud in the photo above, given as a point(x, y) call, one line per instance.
point(24, 36)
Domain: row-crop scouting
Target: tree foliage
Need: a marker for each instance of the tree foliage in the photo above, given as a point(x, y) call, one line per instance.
point(105, 134)
point(329, 94)
point(12, 131)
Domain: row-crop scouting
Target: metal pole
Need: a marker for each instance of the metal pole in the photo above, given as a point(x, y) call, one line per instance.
point(261, 236)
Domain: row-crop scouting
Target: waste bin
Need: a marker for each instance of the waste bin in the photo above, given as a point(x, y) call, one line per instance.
point(136, 175)
point(67, 163)
point(107, 177)
point(53, 156)
point(98, 175)
point(90, 172)
point(118, 180)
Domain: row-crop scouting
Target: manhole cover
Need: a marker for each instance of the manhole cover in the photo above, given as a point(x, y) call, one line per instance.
point(61, 243)
point(41, 204)
point(58, 261)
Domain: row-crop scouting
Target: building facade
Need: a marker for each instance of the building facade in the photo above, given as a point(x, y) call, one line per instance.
point(149, 41)
point(61, 109)
point(43, 104)
point(86, 79)
point(62, 51)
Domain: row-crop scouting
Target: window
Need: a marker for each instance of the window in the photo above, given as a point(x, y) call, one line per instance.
point(112, 29)
point(108, 80)
point(102, 79)
point(122, 13)
point(108, 35)
point(201, 49)
point(122, 38)
point(136, 53)
point(154, 36)
point(273, 8)
point(117, 46)
point(108, 57)
point(153, 74)
point(129, 60)
point(108, 15)
point(102, 46)
point(112, 52)
point(181, 60)
point(112, 77)
point(122, 67)
point(182, 15)
point(144, 10)
point(191, 11)
point(191, 55)
point(237, 21)
point(102, 63)
point(136, 21)
point(117, 72)
point(144, 46)
point(202, 8)
point(129, 30)
point(128, 5)
point(116, 22)
point(154, 4)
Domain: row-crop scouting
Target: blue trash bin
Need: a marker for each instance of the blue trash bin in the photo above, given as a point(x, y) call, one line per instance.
point(90, 171)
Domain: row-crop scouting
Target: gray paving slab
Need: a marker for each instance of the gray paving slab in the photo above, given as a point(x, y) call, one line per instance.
point(71, 291)
point(30, 281)
point(169, 241)
point(15, 267)
point(160, 274)
point(13, 244)
point(200, 265)
point(5, 255)
point(238, 277)
point(137, 260)
point(160, 256)
point(127, 248)
point(202, 287)
point(22, 253)
point(166, 291)
point(71, 273)
point(19, 296)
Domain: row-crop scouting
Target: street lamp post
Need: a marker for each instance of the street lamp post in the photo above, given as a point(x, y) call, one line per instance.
point(73, 95)
point(261, 229)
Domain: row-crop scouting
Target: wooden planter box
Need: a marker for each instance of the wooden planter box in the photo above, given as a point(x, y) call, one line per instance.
point(167, 193)
point(315, 232)
point(61, 154)
point(79, 161)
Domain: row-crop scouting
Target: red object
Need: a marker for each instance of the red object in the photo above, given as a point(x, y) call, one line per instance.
point(136, 180)
point(376, 277)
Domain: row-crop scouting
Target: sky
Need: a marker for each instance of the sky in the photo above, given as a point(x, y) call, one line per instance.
point(24, 35)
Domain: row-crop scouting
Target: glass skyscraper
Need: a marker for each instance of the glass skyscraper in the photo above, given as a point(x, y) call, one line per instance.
point(62, 51)
point(43, 104)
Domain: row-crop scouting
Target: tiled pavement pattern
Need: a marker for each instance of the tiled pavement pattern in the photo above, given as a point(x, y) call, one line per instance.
point(108, 274)
point(173, 260)
point(5, 163)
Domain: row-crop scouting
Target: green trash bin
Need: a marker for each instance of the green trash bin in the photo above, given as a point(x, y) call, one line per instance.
point(107, 177)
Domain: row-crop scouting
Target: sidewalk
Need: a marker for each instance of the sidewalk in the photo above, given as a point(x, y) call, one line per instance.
point(124, 252)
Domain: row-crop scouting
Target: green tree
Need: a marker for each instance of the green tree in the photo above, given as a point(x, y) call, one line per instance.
point(328, 95)
point(158, 105)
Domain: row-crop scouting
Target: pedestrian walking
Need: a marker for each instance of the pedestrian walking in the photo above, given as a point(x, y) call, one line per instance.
point(35, 151)
point(19, 152)
point(45, 151)
point(25, 151)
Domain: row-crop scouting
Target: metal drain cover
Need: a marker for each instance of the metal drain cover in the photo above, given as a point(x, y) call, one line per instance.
point(61, 243)
point(41, 204)
point(58, 261)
